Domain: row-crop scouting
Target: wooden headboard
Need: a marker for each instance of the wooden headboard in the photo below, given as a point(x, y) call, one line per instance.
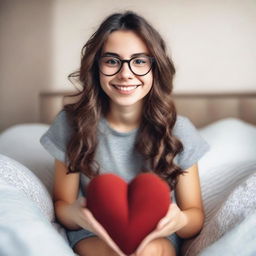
point(204, 109)
point(201, 108)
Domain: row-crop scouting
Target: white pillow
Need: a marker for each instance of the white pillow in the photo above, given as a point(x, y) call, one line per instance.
point(238, 241)
point(17, 175)
point(230, 160)
point(240, 204)
point(21, 142)
point(231, 140)
point(24, 230)
point(218, 182)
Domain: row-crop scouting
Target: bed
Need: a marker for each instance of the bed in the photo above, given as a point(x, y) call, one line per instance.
point(227, 173)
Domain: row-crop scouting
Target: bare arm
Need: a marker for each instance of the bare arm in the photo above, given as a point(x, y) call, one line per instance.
point(188, 196)
point(72, 212)
point(64, 194)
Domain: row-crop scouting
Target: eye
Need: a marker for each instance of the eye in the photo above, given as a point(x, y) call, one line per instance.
point(109, 61)
point(140, 61)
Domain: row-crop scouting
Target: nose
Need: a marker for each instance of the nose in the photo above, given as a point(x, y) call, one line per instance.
point(125, 72)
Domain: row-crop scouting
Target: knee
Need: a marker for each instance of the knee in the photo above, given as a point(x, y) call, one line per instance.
point(153, 248)
point(107, 251)
point(93, 246)
point(158, 247)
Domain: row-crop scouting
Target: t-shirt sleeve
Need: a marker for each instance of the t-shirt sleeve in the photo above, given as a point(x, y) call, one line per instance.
point(56, 138)
point(194, 145)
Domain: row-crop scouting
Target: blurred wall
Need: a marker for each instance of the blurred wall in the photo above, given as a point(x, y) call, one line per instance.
point(211, 42)
point(25, 58)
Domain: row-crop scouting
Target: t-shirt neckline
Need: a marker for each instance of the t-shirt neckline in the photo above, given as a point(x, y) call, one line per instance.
point(115, 132)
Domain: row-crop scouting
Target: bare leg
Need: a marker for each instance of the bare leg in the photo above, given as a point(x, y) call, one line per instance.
point(94, 246)
point(159, 247)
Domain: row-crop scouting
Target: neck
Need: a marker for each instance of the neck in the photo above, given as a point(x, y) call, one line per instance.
point(124, 118)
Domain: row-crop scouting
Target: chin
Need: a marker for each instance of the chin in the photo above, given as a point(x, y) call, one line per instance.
point(127, 103)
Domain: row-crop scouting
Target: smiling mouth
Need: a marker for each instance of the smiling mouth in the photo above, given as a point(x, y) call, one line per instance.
point(125, 88)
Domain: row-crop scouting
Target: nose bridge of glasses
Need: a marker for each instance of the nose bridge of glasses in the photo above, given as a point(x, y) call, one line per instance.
point(122, 62)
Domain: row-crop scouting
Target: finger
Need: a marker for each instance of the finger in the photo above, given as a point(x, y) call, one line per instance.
point(102, 233)
point(93, 222)
point(143, 244)
point(163, 222)
point(87, 213)
point(113, 245)
point(141, 248)
point(173, 209)
point(169, 215)
point(84, 202)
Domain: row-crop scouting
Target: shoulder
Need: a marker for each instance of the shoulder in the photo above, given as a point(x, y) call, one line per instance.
point(194, 145)
point(183, 126)
point(56, 138)
point(60, 127)
point(61, 118)
point(61, 122)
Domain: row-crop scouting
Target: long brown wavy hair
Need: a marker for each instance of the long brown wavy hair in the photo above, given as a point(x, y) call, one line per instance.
point(155, 141)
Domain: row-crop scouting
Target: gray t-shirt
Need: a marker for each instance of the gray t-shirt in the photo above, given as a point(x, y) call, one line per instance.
point(115, 151)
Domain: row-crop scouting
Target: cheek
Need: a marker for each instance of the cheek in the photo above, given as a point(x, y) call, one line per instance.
point(149, 81)
point(103, 81)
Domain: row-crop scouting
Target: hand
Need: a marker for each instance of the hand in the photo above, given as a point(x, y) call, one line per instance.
point(85, 219)
point(173, 221)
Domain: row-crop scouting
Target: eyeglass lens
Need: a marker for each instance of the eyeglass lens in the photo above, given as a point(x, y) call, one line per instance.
point(111, 65)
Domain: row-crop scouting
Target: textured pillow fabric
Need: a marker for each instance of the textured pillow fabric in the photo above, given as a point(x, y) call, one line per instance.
point(238, 241)
point(24, 230)
point(18, 176)
point(233, 209)
point(230, 161)
point(220, 181)
point(21, 142)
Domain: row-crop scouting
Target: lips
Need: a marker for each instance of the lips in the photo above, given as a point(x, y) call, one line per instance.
point(125, 88)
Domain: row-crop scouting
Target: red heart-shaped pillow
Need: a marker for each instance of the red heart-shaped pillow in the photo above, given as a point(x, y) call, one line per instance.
point(128, 212)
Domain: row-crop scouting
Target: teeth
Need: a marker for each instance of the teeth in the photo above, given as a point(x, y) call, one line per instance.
point(126, 88)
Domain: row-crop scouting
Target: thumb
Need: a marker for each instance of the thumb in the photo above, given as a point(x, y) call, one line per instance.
point(162, 223)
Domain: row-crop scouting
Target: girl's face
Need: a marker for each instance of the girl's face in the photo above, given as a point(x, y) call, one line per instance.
point(125, 88)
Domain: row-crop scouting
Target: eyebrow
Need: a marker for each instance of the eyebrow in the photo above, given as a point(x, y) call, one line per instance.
point(117, 55)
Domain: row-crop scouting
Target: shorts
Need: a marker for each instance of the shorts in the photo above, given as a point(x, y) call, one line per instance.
point(74, 236)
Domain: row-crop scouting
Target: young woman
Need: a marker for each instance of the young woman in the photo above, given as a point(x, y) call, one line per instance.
point(125, 122)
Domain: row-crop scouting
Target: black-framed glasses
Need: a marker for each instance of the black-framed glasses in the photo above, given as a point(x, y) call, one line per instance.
point(140, 66)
